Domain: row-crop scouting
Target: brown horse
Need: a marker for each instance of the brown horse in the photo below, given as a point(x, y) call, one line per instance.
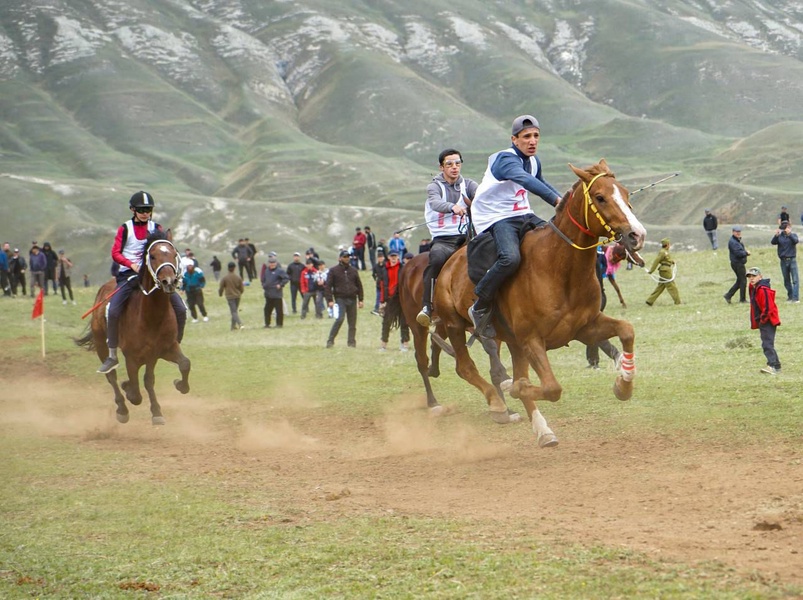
point(553, 298)
point(411, 291)
point(148, 328)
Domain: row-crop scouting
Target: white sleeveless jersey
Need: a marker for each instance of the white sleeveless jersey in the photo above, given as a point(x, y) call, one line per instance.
point(133, 247)
point(496, 200)
point(439, 223)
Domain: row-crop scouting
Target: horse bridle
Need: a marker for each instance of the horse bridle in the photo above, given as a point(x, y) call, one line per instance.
point(612, 236)
point(176, 266)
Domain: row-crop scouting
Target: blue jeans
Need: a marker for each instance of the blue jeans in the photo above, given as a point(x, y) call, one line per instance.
point(790, 278)
point(507, 236)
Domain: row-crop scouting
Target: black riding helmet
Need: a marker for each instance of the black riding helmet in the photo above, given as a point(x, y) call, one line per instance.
point(141, 199)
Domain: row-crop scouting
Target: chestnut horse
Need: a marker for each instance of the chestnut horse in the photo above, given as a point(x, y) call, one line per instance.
point(411, 291)
point(553, 298)
point(148, 328)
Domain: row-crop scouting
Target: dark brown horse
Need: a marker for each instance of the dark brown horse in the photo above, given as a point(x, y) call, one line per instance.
point(148, 328)
point(411, 291)
point(553, 298)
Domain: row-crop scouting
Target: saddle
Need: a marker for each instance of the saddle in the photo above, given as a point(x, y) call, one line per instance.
point(481, 251)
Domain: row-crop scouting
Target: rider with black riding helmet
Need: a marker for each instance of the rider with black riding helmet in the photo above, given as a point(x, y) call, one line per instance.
point(127, 250)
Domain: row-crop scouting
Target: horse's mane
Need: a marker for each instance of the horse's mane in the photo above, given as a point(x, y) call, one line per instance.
point(593, 170)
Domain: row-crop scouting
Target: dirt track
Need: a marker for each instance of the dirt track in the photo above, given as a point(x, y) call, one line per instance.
point(670, 498)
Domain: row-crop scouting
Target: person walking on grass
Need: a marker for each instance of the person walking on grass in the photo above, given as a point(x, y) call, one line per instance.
point(764, 317)
point(738, 259)
point(666, 274)
point(231, 286)
point(344, 288)
point(274, 278)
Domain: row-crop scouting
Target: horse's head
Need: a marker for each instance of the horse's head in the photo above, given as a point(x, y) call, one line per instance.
point(598, 205)
point(160, 264)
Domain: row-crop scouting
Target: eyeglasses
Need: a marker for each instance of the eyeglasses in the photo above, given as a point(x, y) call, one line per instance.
point(144, 209)
point(452, 163)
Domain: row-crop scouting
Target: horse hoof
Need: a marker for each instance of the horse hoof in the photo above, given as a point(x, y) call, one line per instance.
point(506, 385)
point(622, 390)
point(548, 440)
point(122, 418)
point(437, 410)
point(503, 418)
point(158, 420)
point(434, 373)
point(136, 401)
point(181, 386)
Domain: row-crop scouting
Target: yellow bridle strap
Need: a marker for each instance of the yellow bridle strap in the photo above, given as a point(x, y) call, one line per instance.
point(588, 203)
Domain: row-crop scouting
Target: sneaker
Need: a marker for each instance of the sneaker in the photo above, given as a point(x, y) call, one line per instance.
point(109, 365)
point(73, 302)
point(482, 322)
point(727, 298)
point(206, 319)
point(64, 302)
point(770, 370)
point(383, 349)
point(424, 317)
point(404, 348)
point(330, 344)
point(195, 320)
point(375, 312)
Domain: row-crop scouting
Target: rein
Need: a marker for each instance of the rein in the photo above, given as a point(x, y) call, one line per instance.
point(176, 266)
point(586, 230)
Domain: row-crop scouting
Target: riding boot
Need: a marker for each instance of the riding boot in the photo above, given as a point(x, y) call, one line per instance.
point(110, 363)
point(481, 318)
point(424, 318)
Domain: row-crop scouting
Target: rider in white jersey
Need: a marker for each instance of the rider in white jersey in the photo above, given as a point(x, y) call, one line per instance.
point(502, 207)
point(448, 196)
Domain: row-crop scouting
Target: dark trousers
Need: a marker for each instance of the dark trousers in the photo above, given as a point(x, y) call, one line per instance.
point(360, 252)
point(5, 282)
point(372, 257)
point(790, 278)
point(274, 304)
point(295, 290)
point(506, 234)
point(347, 309)
point(37, 278)
point(767, 331)
point(741, 282)
point(305, 305)
point(64, 282)
point(18, 280)
point(234, 309)
point(117, 303)
point(404, 329)
point(441, 250)
point(196, 298)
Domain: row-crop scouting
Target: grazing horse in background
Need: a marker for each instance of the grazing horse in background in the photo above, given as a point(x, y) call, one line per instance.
point(411, 291)
point(148, 327)
point(553, 298)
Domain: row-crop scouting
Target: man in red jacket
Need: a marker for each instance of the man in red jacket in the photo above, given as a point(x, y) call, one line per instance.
point(358, 243)
point(389, 296)
point(764, 317)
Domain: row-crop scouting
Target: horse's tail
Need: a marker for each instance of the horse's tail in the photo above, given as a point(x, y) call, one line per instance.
point(393, 311)
point(87, 340)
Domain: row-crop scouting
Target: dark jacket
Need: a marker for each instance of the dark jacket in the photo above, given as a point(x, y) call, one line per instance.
point(343, 282)
point(37, 262)
point(787, 244)
point(709, 222)
point(294, 271)
point(242, 253)
point(273, 281)
point(736, 249)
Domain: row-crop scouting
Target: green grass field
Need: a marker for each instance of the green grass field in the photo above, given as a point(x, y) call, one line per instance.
point(271, 481)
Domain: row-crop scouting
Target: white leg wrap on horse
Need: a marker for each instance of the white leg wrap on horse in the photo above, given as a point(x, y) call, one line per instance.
point(540, 426)
point(628, 366)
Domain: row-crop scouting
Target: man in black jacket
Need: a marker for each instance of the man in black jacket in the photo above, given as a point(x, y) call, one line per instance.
point(294, 272)
point(344, 288)
point(738, 258)
point(710, 226)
